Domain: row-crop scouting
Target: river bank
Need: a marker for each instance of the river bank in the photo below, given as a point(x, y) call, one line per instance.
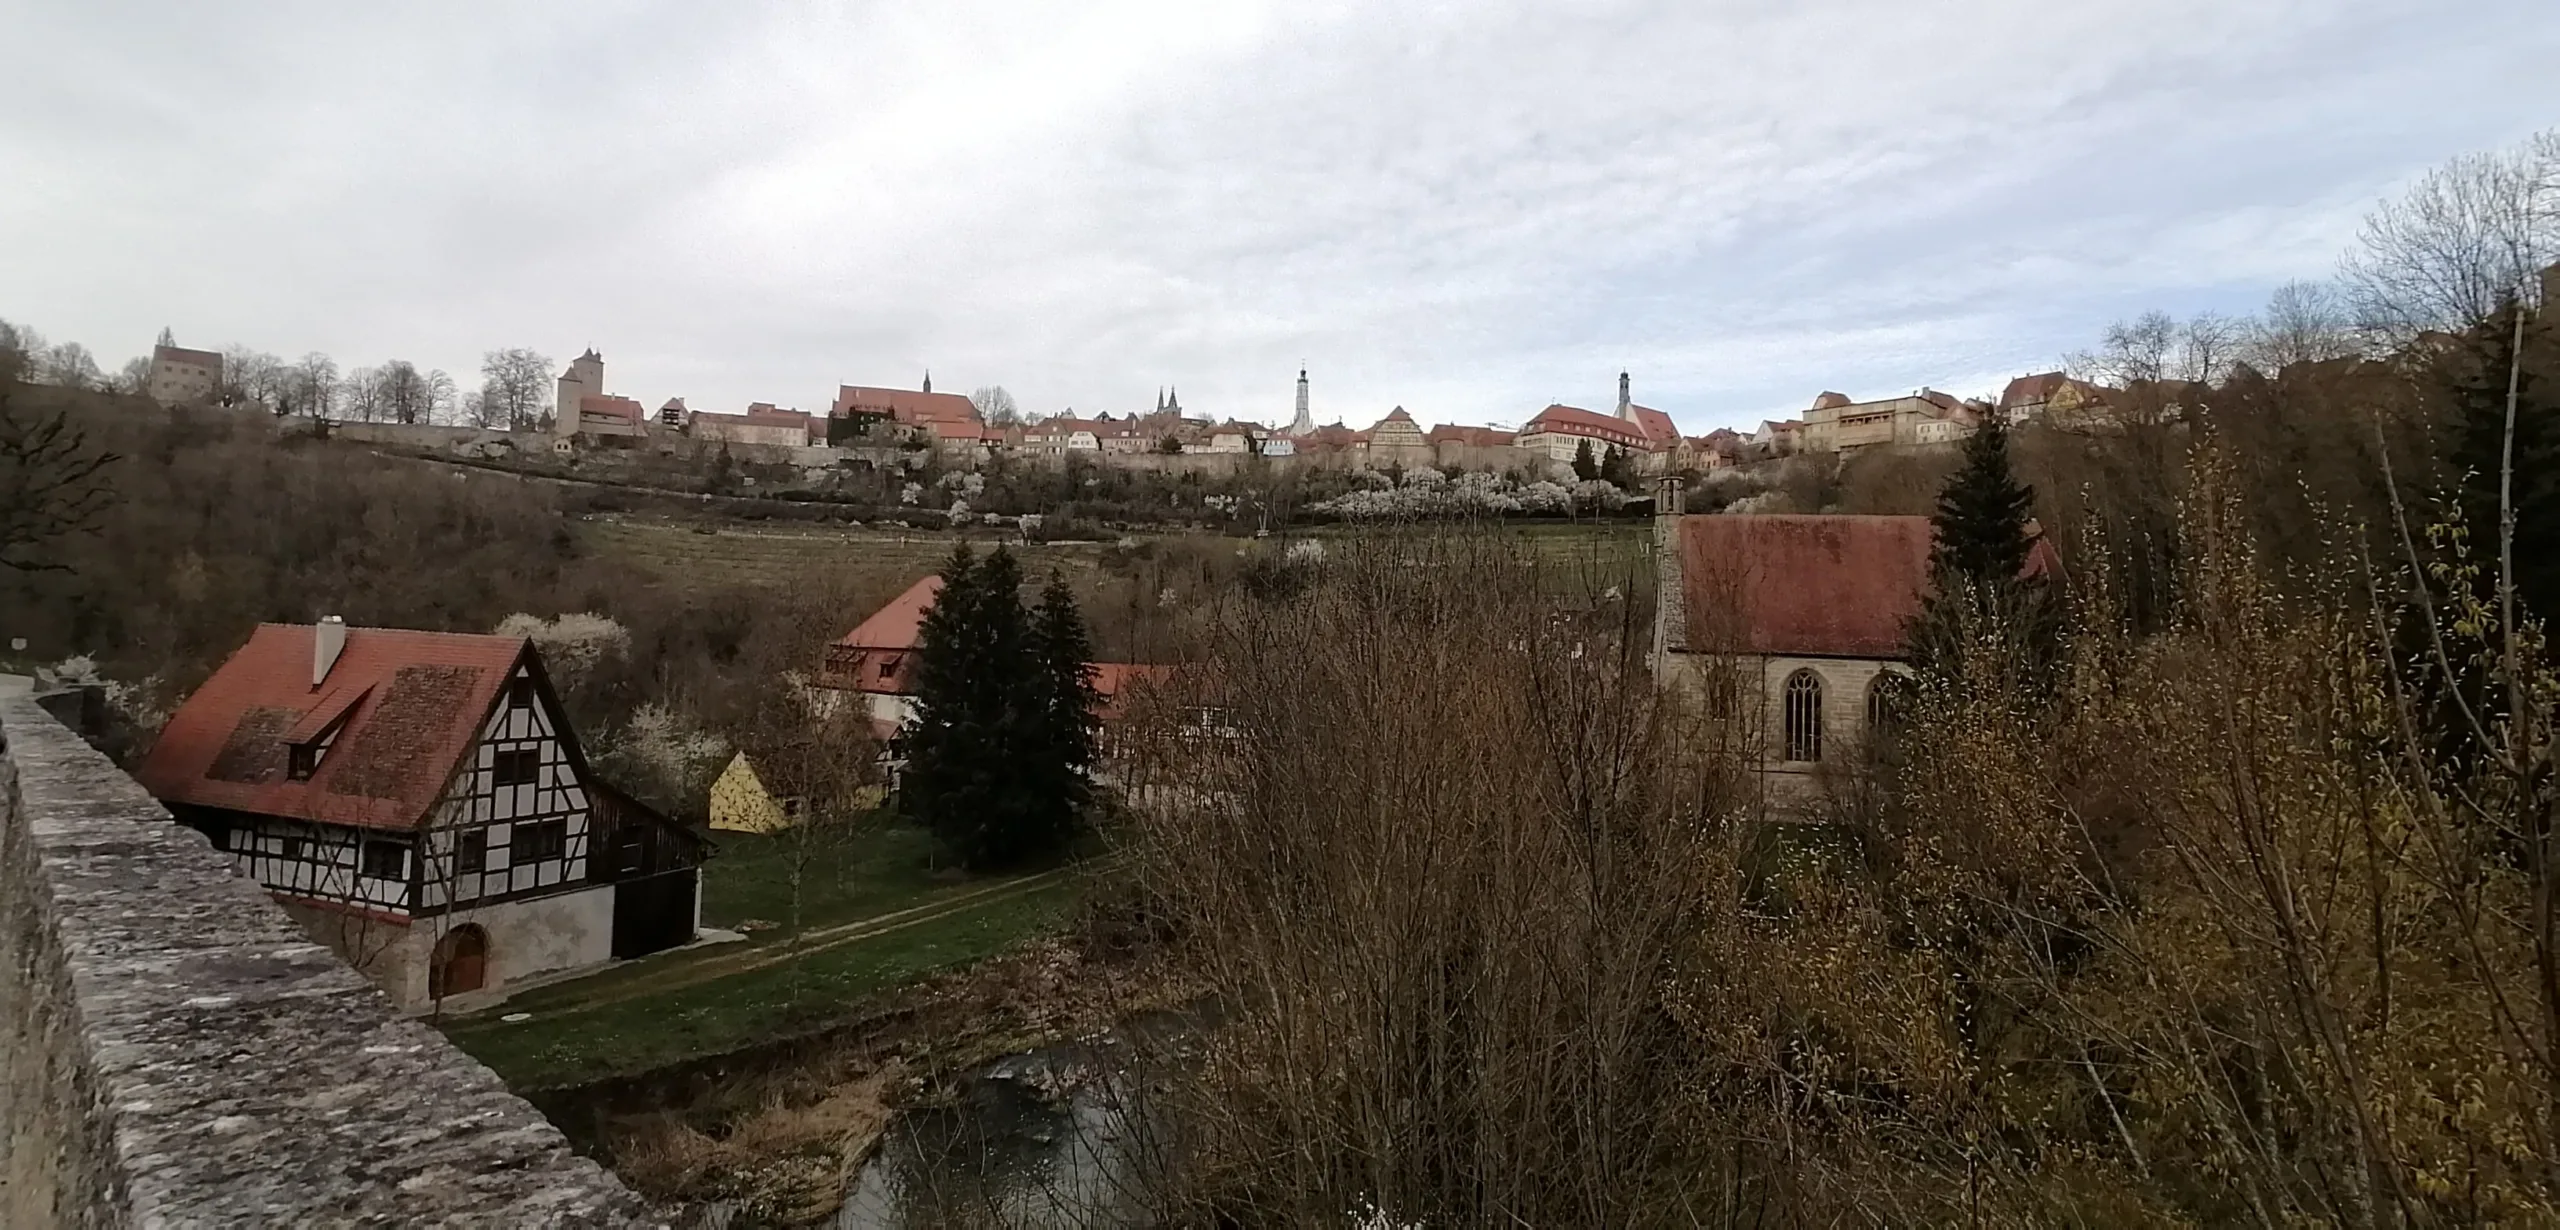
point(779, 1134)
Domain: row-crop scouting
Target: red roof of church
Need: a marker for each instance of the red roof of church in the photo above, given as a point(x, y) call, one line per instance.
point(907, 406)
point(1813, 586)
point(408, 707)
point(1576, 421)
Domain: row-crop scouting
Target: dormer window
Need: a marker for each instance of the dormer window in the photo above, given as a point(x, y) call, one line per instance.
point(302, 760)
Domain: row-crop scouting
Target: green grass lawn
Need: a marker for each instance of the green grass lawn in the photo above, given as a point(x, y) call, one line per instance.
point(578, 1045)
point(869, 869)
point(615, 1022)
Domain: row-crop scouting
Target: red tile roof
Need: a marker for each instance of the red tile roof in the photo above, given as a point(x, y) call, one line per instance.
point(1576, 421)
point(1479, 437)
point(1396, 415)
point(1658, 427)
point(1802, 585)
point(1120, 682)
point(180, 354)
point(907, 406)
point(413, 703)
point(605, 406)
point(1829, 400)
point(894, 630)
point(894, 626)
point(2035, 388)
point(1061, 425)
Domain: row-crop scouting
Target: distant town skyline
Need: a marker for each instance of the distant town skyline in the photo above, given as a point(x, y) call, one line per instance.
point(1467, 211)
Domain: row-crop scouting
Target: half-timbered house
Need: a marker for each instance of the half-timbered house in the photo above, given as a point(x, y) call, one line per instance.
point(420, 802)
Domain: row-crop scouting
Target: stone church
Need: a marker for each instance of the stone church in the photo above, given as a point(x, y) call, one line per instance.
point(1784, 631)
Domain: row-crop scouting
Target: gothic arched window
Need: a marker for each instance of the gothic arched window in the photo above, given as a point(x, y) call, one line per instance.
point(1804, 716)
point(1884, 703)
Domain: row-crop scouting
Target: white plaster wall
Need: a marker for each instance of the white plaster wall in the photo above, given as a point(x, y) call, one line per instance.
point(537, 936)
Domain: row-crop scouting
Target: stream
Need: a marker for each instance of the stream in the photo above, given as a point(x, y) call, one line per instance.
point(1054, 1137)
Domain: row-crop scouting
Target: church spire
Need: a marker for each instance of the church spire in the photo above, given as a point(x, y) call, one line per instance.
point(928, 380)
point(1305, 423)
point(1626, 403)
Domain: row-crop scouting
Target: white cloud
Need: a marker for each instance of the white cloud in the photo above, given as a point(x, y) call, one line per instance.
point(1466, 209)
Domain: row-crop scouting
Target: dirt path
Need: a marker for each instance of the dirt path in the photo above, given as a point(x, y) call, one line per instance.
point(676, 977)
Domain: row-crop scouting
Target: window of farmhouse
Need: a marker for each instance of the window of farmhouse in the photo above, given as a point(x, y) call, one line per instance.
point(386, 860)
point(514, 768)
point(1804, 716)
point(535, 840)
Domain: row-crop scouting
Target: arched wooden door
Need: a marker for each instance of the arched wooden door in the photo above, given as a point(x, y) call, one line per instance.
point(461, 962)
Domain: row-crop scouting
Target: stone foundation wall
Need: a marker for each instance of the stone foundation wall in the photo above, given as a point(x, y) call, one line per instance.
point(174, 1051)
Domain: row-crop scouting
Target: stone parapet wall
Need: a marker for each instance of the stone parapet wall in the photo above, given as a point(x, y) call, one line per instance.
point(175, 1051)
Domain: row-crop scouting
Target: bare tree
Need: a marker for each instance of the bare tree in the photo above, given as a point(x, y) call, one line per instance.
point(315, 385)
point(23, 346)
point(2467, 234)
point(996, 406)
point(2208, 344)
point(442, 395)
point(408, 395)
point(70, 366)
point(134, 378)
point(514, 389)
point(2140, 349)
point(2156, 346)
point(361, 394)
point(52, 483)
point(251, 376)
point(2305, 322)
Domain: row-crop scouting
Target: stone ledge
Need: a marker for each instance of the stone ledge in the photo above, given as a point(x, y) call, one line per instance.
point(185, 1055)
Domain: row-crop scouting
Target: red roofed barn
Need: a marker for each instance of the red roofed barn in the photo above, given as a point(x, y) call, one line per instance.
point(877, 659)
point(418, 800)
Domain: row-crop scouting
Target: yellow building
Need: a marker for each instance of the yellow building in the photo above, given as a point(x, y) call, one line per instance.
point(741, 804)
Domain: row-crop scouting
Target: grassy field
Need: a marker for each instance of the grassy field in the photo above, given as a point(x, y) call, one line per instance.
point(777, 554)
point(777, 982)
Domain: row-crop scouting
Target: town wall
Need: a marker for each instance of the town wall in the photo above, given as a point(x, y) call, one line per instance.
point(175, 1051)
point(474, 441)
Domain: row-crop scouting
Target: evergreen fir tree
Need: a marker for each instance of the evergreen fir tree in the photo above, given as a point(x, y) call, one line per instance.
point(1982, 515)
point(1584, 468)
point(1065, 705)
point(1616, 469)
point(2476, 380)
point(1979, 548)
point(991, 769)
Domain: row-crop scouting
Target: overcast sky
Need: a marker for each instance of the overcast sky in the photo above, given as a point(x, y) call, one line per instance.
point(1466, 209)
